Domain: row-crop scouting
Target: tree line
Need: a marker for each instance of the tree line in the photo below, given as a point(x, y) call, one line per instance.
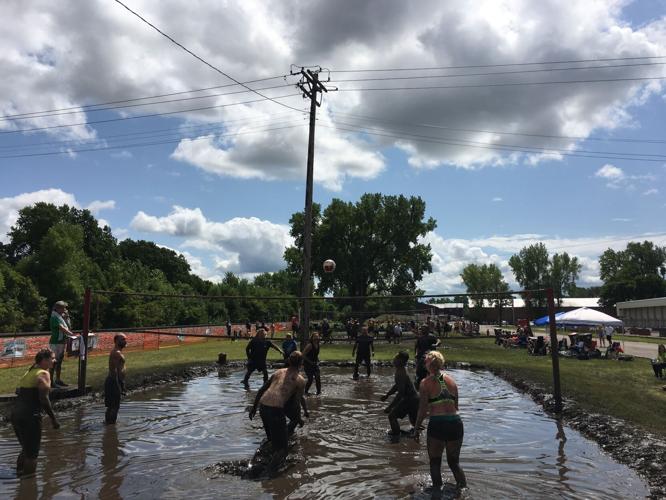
point(54, 252)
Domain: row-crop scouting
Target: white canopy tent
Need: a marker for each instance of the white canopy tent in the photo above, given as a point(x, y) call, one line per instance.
point(585, 316)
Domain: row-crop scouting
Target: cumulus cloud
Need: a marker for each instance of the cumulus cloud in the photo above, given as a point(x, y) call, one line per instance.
point(650, 191)
point(241, 245)
point(42, 69)
point(617, 178)
point(497, 199)
point(9, 207)
point(97, 206)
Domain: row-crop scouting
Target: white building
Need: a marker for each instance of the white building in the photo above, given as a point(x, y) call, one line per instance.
point(646, 313)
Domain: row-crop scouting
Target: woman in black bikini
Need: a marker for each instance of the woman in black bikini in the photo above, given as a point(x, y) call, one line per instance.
point(438, 396)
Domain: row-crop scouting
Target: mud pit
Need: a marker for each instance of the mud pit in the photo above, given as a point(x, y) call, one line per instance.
point(168, 441)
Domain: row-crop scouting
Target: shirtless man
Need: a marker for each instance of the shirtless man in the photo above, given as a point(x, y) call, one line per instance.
point(114, 385)
point(272, 398)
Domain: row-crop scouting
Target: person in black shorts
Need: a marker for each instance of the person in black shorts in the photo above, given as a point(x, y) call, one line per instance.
point(425, 343)
point(26, 417)
point(364, 349)
point(326, 332)
point(406, 401)
point(256, 351)
point(311, 363)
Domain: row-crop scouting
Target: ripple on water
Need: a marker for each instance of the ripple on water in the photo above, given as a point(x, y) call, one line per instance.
point(166, 438)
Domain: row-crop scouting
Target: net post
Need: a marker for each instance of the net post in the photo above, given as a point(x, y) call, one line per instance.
point(554, 354)
point(83, 342)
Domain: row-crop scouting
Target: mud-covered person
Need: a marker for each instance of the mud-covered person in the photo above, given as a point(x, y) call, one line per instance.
point(425, 343)
point(273, 397)
point(364, 349)
point(257, 351)
point(26, 417)
point(406, 400)
point(114, 385)
point(311, 363)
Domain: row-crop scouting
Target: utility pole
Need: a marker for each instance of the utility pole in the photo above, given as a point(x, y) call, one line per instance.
point(312, 89)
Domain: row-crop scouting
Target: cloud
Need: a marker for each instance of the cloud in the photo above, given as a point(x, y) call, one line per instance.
point(241, 245)
point(42, 69)
point(97, 206)
point(650, 192)
point(610, 172)
point(9, 207)
point(621, 219)
point(617, 178)
point(497, 199)
point(122, 155)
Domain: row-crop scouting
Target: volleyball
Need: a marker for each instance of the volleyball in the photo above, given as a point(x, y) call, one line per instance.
point(329, 265)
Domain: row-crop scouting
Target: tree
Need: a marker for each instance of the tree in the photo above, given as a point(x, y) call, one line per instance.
point(563, 273)
point(530, 268)
point(638, 272)
point(174, 266)
point(374, 242)
point(21, 307)
point(487, 280)
point(35, 221)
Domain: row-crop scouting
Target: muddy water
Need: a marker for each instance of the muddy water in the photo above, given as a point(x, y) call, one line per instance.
point(166, 438)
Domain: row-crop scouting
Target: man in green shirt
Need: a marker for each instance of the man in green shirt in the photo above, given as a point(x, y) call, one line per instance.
point(60, 331)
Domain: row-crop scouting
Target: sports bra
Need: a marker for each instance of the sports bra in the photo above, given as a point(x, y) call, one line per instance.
point(444, 395)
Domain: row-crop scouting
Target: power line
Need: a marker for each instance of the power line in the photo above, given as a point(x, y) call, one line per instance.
point(143, 144)
point(203, 60)
point(123, 106)
point(512, 84)
point(519, 147)
point(166, 113)
point(436, 140)
point(503, 65)
point(108, 103)
point(517, 72)
point(442, 127)
point(184, 129)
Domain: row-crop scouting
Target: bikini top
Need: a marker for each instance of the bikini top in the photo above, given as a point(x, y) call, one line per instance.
point(444, 395)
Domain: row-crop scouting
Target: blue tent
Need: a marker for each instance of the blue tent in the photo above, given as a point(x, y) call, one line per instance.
point(544, 320)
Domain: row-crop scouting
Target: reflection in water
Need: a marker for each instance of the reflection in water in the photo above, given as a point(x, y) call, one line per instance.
point(167, 437)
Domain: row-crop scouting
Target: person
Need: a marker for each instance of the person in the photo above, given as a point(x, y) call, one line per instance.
point(60, 332)
point(288, 346)
point(363, 348)
point(272, 329)
point(601, 334)
point(114, 385)
point(438, 397)
point(248, 329)
point(397, 332)
point(326, 331)
point(229, 328)
point(608, 330)
point(406, 400)
point(26, 417)
point(311, 363)
point(292, 410)
point(272, 398)
point(256, 351)
point(294, 324)
point(659, 364)
point(425, 343)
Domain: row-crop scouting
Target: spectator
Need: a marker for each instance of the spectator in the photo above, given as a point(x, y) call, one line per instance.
point(288, 346)
point(60, 332)
point(659, 364)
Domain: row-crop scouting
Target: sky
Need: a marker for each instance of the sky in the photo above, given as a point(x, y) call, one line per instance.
point(520, 137)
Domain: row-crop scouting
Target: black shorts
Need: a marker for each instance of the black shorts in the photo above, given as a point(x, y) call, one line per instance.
point(253, 365)
point(112, 393)
point(406, 407)
point(28, 430)
point(363, 359)
point(275, 425)
point(446, 429)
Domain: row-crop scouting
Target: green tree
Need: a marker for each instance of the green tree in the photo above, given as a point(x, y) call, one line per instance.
point(174, 266)
point(280, 281)
point(486, 280)
point(374, 242)
point(21, 307)
point(563, 273)
point(530, 268)
point(638, 272)
point(35, 221)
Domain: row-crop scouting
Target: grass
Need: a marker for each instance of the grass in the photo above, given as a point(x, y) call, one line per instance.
point(616, 336)
point(627, 390)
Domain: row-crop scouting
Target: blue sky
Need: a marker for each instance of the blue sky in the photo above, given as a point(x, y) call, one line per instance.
point(225, 201)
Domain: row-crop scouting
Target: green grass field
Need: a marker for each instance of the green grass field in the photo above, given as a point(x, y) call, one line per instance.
point(626, 390)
